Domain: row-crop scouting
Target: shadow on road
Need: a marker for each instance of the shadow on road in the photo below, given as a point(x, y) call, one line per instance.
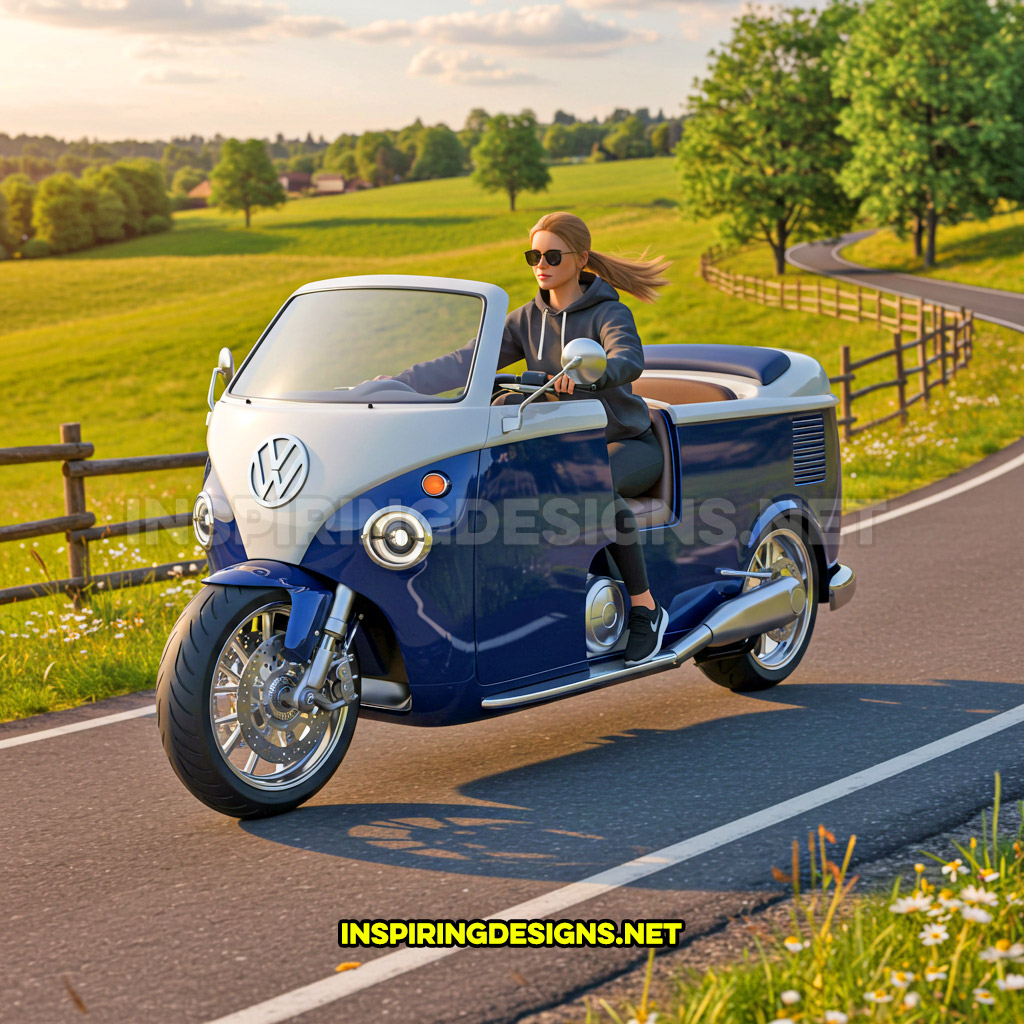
point(562, 818)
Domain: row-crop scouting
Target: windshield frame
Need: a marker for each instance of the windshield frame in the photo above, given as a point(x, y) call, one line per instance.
point(494, 303)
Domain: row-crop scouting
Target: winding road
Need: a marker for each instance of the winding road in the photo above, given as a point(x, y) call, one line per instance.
point(666, 797)
point(997, 307)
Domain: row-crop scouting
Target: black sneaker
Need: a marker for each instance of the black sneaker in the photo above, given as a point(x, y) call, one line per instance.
point(646, 631)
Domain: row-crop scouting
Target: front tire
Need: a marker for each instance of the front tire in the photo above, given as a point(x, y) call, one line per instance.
point(774, 655)
point(235, 747)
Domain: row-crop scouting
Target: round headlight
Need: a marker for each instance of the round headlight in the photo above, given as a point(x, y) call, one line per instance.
point(397, 537)
point(202, 519)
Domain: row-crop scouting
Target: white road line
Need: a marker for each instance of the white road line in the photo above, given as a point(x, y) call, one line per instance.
point(949, 492)
point(383, 968)
point(63, 730)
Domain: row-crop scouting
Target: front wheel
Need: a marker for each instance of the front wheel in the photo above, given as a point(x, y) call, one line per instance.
point(228, 736)
point(772, 656)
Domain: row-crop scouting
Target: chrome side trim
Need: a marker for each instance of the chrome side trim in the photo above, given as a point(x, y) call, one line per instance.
point(764, 607)
point(841, 587)
point(385, 694)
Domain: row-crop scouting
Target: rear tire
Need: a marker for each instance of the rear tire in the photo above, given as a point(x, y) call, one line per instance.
point(774, 655)
point(217, 635)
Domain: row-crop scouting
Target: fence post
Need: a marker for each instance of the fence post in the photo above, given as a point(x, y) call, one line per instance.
point(878, 309)
point(899, 313)
point(819, 295)
point(860, 303)
point(74, 502)
point(968, 335)
point(922, 355)
point(942, 342)
point(798, 295)
point(837, 299)
point(901, 377)
point(919, 316)
point(844, 391)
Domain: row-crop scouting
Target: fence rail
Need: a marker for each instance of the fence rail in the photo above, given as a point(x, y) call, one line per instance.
point(79, 525)
point(950, 333)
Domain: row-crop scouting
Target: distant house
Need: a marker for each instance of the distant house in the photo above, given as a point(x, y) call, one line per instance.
point(200, 195)
point(334, 184)
point(295, 181)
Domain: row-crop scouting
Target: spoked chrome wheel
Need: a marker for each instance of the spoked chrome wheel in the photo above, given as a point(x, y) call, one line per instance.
point(264, 741)
point(784, 552)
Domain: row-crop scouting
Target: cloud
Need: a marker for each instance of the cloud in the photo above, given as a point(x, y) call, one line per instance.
point(303, 26)
point(174, 16)
point(463, 67)
point(535, 30)
point(183, 76)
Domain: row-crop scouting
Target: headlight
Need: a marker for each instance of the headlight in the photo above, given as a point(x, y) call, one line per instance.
point(397, 537)
point(202, 519)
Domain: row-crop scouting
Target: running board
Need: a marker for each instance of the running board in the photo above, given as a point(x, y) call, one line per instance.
point(756, 611)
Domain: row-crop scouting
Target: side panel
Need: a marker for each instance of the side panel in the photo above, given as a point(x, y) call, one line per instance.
point(549, 500)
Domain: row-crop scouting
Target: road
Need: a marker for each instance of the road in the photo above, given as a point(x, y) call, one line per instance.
point(998, 307)
point(122, 888)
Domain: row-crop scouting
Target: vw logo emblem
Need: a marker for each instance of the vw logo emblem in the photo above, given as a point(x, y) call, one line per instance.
point(278, 470)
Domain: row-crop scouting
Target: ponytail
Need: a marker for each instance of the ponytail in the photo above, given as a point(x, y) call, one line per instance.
point(641, 277)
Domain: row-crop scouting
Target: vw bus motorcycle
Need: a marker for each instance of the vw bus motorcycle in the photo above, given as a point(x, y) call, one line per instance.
point(435, 558)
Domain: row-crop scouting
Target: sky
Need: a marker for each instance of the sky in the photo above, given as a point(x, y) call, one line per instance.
point(147, 69)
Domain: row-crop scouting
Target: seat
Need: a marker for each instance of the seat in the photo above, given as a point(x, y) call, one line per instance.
point(680, 390)
point(654, 508)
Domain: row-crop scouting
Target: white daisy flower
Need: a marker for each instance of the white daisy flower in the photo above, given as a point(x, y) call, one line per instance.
point(975, 894)
point(935, 974)
point(910, 1000)
point(794, 945)
point(933, 935)
point(836, 1017)
point(1011, 983)
point(790, 997)
point(987, 876)
point(878, 996)
point(1002, 950)
point(976, 914)
point(901, 979)
point(955, 868)
point(983, 996)
point(909, 904)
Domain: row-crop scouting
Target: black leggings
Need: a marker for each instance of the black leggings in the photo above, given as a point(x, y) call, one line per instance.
point(636, 462)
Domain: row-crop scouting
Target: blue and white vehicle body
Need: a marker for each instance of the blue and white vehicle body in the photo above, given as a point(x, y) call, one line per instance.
point(450, 556)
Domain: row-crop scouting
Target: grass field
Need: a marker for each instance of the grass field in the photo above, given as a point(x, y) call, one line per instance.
point(122, 339)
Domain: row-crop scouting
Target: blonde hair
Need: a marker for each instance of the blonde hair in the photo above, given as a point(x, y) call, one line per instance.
point(640, 277)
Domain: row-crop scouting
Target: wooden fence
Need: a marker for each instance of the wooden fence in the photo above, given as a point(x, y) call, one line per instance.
point(79, 525)
point(950, 333)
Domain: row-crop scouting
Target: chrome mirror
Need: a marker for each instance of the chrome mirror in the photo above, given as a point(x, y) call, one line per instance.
point(226, 364)
point(593, 360)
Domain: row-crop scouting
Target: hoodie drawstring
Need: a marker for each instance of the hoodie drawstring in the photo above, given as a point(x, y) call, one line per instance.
point(543, 324)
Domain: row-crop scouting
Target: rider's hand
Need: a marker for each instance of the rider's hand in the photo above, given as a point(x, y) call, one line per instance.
point(564, 384)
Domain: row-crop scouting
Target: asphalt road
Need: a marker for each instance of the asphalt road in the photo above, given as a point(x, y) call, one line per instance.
point(118, 885)
point(998, 307)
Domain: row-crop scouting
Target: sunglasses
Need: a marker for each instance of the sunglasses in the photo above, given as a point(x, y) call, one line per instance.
point(553, 256)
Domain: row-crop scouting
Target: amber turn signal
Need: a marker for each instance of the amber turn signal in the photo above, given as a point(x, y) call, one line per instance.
point(437, 485)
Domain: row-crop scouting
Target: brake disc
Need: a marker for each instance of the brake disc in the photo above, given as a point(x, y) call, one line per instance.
point(784, 567)
point(273, 730)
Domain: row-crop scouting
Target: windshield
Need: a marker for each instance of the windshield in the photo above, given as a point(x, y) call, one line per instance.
point(329, 346)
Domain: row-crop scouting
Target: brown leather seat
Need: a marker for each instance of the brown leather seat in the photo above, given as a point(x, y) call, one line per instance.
point(655, 507)
point(680, 391)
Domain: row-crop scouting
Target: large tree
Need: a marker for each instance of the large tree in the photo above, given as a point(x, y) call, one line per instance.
point(59, 214)
point(510, 158)
point(378, 160)
point(760, 145)
point(439, 154)
point(20, 192)
point(111, 177)
point(931, 117)
point(244, 178)
point(8, 240)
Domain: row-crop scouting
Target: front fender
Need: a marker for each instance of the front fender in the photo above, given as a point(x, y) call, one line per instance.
point(792, 507)
point(310, 595)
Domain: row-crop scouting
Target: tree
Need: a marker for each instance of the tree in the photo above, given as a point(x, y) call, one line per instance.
point(20, 192)
point(561, 117)
point(510, 157)
point(661, 139)
point(105, 212)
point(439, 154)
point(931, 112)
point(8, 240)
point(473, 128)
point(761, 145)
point(245, 179)
point(302, 164)
point(186, 179)
point(377, 159)
point(146, 179)
point(558, 141)
point(59, 214)
point(110, 177)
point(628, 141)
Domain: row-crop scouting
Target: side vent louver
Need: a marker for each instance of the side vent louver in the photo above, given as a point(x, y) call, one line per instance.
point(809, 449)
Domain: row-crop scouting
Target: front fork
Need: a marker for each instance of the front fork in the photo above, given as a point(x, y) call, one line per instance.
point(307, 695)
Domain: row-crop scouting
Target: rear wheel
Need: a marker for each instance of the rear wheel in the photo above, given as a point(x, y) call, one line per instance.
point(772, 656)
point(228, 735)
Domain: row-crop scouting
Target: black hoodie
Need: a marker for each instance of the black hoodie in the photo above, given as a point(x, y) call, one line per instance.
point(535, 332)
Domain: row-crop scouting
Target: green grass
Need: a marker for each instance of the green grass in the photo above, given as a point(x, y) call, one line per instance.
point(945, 948)
point(986, 253)
point(122, 339)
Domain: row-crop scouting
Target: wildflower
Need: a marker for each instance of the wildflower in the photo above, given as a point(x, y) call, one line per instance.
point(878, 996)
point(119, 636)
point(954, 869)
point(976, 914)
point(649, 1019)
point(935, 974)
point(790, 997)
point(983, 996)
point(901, 979)
point(794, 945)
point(1011, 983)
point(948, 900)
point(988, 876)
point(835, 1017)
point(910, 1000)
point(933, 935)
point(974, 895)
point(908, 904)
point(1002, 950)
point(777, 1020)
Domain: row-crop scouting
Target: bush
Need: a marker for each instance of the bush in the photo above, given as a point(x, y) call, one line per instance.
point(155, 223)
point(34, 248)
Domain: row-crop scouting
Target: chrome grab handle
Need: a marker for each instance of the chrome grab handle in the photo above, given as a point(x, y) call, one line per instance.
point(511, 423)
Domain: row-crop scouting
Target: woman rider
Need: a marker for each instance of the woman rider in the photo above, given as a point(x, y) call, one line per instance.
point(575, 303)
